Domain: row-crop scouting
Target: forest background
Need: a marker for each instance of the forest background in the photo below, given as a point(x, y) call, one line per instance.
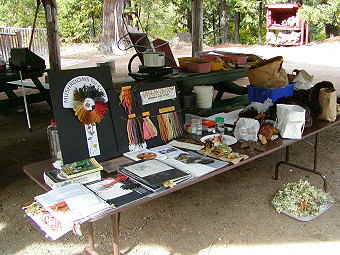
point(236, 21)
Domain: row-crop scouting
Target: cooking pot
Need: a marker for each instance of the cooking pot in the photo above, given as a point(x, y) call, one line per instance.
point(154, 59)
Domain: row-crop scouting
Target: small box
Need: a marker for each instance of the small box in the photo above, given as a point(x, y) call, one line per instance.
point(261, 94)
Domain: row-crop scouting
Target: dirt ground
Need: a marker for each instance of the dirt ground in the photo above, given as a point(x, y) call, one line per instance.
point(227, 214)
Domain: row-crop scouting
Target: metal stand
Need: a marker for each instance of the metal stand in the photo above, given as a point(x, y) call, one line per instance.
point(313, 170)
point(90, 249)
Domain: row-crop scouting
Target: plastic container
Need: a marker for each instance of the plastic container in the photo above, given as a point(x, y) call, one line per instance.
point(53, 139)
point(219, 125)
point(261, 94)
point(204, 96)
point(199, 67)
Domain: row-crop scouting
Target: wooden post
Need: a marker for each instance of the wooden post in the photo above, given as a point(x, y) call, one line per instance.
point(197, 27)
point(52, 34)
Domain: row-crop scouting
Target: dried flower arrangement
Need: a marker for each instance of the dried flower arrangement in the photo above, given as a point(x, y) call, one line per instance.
point(301, 199)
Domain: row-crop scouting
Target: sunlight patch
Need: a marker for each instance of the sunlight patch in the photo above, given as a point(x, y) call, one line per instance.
point(2, 226)
point(313, 247)
point(52, 248)
point(144, 249)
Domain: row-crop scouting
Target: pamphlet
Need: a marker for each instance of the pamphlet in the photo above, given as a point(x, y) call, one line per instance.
point(194, 163)
point(167, 150)
point(143, 155)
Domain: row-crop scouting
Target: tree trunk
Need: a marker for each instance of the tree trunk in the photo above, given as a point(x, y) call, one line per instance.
point(52, 34)
point(113, 27)
point(259, 30)
point(189, 20)
point(331, 30)
point(224, 21)
point(197, 27)
point(237, 27)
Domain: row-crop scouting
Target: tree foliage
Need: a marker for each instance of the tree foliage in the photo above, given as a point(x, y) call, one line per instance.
point(81, 20)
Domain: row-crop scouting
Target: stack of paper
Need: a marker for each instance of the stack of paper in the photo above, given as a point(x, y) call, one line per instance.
point(72, 203)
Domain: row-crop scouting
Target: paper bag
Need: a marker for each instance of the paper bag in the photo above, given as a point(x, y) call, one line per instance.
point(246, 129)
point(290, 120)
point(268, 74)
point(327, 100)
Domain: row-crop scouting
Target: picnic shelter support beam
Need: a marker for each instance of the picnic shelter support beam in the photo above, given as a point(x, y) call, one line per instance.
point(50, 7)
point(197, 27)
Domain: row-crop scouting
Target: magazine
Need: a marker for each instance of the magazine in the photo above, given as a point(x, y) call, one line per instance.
point(153, 173)
point(119, 190)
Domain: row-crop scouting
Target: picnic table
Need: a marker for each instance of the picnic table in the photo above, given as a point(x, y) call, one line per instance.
point(35, 172)
point(10, 81)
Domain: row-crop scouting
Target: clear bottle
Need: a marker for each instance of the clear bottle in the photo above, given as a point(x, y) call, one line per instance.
point(53, 140)
point(219, 125)
point(196, 125)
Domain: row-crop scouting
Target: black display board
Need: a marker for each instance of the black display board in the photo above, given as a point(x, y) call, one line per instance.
point(72, 135)
point(120, 117)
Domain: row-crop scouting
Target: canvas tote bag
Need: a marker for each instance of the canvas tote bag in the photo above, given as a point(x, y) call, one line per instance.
point(290, 120)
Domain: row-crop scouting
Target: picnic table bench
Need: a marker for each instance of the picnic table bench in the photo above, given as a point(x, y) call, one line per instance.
point(10, 81)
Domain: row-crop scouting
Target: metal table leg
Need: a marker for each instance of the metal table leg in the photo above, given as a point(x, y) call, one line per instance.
point(89, 249)
point(313, 170)
point(115, 218)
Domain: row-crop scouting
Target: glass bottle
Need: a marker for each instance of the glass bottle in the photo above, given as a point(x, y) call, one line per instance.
point(53, 140)
point(219, 125)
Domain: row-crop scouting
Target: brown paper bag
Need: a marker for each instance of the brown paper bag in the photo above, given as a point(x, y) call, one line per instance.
point(327, 100)
point(268, 74)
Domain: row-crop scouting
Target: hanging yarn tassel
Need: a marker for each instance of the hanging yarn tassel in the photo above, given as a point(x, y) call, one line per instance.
point(134, 130)
point(149, 129)
point(126, 99)
point(170, 126)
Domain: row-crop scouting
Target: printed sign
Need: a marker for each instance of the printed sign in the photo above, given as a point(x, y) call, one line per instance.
point(158, 95)
point(79, 82)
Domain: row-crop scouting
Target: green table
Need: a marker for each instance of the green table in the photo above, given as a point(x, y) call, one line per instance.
point(223, 81)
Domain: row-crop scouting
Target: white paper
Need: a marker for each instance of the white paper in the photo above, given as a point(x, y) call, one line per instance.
point(229, 117)
point(148, 167)
point(92, 140)
point(81, 202)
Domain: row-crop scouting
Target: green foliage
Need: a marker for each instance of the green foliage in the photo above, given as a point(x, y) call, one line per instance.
point(80, 21)
point(17, 13)
point(157, 17)
point(321, 12)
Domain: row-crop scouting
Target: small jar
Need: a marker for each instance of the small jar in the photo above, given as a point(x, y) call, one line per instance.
point(219, 125)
